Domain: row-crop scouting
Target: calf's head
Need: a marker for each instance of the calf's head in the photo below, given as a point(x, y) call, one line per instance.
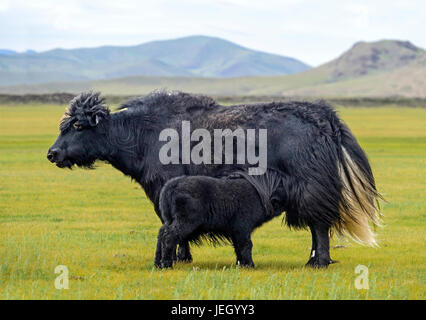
point(82, 138)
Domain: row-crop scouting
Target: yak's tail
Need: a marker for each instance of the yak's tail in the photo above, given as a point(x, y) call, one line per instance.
point(265, 185)
point(359, 206)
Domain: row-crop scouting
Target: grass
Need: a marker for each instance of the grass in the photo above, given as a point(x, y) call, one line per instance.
point(102, 227)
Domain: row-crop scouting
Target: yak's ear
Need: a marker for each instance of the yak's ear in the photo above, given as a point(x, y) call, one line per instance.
point(96, 117)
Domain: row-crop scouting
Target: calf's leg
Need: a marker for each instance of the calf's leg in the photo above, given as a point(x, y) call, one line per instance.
point(173, 234)
point(158, 252)
point(243, 249)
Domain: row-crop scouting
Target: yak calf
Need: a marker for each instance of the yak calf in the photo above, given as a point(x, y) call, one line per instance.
point(196, 207)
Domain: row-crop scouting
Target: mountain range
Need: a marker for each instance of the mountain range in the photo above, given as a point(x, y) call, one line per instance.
point(368, 69)
point(190, 56)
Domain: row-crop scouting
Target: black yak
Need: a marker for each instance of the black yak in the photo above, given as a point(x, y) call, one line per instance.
point(193, 207)
point(327, 180)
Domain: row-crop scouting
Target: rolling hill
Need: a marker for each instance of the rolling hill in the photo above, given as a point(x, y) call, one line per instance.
point(367, 58)
point(406, 81)
point(382, 68)
point(368, 69)
point(190, 56)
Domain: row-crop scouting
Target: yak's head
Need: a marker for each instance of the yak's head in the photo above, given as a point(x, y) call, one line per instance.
point(82, 137)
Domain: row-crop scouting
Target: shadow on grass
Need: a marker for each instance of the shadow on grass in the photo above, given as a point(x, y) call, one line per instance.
point(134, 265)
point(271, 265)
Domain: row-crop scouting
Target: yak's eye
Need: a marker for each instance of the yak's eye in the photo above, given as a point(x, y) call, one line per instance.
point(77, 126)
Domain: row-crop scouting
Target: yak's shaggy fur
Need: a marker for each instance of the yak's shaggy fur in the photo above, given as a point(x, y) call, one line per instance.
point(327, 180)
point(193, 207)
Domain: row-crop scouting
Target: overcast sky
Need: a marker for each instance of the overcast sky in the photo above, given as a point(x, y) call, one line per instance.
point(312, 31)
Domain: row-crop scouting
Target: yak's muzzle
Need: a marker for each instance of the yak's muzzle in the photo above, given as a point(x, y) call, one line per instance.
point(52, 155)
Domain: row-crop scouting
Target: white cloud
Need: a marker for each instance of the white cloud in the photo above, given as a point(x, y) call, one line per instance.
point(313, 31)
point(4, 5)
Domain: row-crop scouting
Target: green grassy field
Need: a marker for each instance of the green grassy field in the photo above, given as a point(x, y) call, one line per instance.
point(102, 227)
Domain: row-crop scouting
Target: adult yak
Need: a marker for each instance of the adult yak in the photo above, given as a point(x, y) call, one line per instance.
point(327, 183)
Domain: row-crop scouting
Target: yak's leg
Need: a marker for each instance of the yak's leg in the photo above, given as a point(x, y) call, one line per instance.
point(174, 234)
point(184, 253)
point(320, 252)
point(158, 254)
point(169, 243)
point(314, 242)
point(243, 247)
point(237, 251)
point(157, 258)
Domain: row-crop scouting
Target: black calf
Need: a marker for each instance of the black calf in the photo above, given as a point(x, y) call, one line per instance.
point(194, 207)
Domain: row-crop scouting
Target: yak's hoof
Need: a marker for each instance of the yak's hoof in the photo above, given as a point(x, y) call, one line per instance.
point(166, 265)
point(319, 262)
point(249, 265)
point(184, 257)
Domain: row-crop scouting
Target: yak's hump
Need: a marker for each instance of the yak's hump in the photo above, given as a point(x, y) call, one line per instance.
point(166, 102)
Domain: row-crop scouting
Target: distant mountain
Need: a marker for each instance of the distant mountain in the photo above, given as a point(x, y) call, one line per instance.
point(367, 69)
point(372, 57)
point(5, 52)
point(190, 56)
point(375, 69)
point(408, 80)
